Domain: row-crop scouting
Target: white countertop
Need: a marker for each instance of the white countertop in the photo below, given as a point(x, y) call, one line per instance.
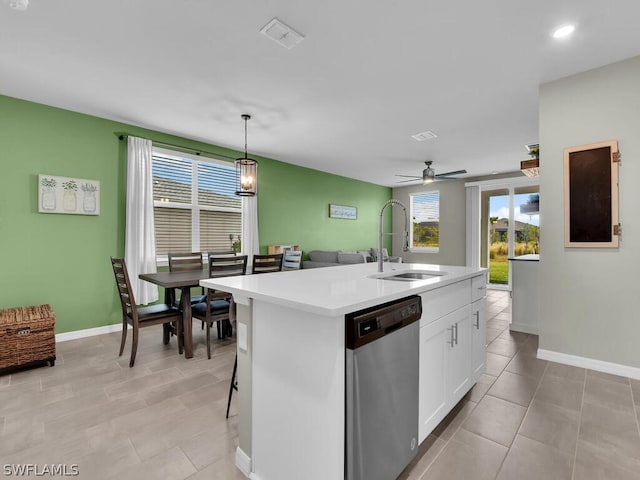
point(333, 291)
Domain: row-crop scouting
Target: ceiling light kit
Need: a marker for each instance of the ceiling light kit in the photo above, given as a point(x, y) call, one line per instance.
point(20, 5)
point(282, 34)
point(429, 175)
point(564, 31)
point(246, 169)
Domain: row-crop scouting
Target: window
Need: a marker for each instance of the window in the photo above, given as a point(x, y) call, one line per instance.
point(425, 219)
point(195, 206)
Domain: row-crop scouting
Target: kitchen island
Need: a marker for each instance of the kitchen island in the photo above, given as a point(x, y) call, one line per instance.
point(291, 357)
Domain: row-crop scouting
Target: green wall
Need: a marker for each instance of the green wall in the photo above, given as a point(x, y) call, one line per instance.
point(293, 208)
point(63, 260)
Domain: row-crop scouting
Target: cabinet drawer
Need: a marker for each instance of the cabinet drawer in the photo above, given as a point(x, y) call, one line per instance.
point(478, 287)
point(441, 301)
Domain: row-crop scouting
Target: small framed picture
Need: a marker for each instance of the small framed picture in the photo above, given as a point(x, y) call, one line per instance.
point(343, 211)
point(68, 195)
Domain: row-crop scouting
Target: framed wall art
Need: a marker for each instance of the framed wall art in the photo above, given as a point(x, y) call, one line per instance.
point(68, 195)
point(342, 211)
point(591, 195)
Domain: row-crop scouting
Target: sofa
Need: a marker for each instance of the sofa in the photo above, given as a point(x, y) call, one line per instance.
point(332, 258)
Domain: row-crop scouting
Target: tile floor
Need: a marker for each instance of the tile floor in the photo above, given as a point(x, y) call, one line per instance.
point(165, 418)
point(531, 419)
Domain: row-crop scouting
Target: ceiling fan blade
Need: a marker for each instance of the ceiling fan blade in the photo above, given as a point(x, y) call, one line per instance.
point(457, 172)
point(412, 180)
point(408, 176)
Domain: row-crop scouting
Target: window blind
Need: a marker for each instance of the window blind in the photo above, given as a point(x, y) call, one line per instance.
point(195, 205)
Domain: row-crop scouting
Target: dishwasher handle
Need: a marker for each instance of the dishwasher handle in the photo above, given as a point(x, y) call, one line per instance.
point(394, 327)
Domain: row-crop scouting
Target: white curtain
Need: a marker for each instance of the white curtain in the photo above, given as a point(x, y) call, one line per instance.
point(140, 240)
point(473, 226)
point(250, 243)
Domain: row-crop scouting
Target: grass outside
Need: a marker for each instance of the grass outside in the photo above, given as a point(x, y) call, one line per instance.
point(499, 270)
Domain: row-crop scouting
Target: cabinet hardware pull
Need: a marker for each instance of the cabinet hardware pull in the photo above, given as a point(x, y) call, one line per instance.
point(456, 327)
point(482, 287)
point(477, 324)
point(450, 342)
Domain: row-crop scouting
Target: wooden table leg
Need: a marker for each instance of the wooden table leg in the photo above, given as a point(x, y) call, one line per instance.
point(187, 322)
point(169, 299)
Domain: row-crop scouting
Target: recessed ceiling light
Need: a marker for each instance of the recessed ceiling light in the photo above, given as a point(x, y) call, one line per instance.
point(564, 31)
point(18, 4)
point(422, 136)
point(282, 33)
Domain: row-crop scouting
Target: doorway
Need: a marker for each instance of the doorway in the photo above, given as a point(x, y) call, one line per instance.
point(510, 227)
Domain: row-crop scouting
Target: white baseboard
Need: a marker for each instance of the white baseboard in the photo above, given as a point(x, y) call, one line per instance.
point(524, 328)
point(243, 462)
point(590, 363)
point(88, 332)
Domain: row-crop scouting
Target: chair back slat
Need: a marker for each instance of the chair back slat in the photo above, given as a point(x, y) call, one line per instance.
point(180, 262)
point(267, 263)
point(123, 284)
point(227, 266)
point(292, 260)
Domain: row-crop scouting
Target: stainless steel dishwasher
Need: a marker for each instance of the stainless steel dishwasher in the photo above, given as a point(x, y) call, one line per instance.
point(382, 354)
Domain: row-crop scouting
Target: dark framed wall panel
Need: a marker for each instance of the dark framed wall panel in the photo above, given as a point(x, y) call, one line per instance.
point(591, 195)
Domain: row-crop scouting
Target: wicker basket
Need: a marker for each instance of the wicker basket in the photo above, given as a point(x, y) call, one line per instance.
point(27, 336)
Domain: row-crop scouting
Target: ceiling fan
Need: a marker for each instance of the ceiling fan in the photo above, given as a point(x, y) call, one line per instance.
point(429, 175)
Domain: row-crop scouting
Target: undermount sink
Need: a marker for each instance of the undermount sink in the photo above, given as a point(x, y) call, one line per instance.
point(409, 276)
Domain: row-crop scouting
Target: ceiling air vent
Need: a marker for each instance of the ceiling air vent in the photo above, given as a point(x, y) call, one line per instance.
point(282, 33)
point(421, 137)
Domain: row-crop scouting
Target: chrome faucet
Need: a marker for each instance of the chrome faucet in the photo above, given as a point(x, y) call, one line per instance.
point(405, 234)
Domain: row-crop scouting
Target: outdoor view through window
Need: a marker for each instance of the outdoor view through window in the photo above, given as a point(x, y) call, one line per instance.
point(425, 219)
point(525, 231)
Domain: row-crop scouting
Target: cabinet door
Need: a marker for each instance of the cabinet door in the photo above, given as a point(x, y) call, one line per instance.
point(459, 362)
point(478, 338)
point(432, 395)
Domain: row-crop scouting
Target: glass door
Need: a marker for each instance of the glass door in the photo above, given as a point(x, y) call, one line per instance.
point(510, 227)
point(527, 228)
point(498, 238)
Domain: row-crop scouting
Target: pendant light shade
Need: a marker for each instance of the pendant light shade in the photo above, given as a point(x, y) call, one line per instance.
point(246, 169)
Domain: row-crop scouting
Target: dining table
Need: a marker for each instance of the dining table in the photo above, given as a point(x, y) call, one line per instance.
point(183, 280)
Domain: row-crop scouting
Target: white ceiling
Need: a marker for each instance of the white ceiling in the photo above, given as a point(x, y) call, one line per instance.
point(369, 73)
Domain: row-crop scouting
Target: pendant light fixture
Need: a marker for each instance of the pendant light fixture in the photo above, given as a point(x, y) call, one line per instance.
point(246, 169)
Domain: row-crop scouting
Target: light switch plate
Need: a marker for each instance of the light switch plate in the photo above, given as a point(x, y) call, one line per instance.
point(242, 337)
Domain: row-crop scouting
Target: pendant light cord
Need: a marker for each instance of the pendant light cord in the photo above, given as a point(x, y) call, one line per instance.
point(246, 117)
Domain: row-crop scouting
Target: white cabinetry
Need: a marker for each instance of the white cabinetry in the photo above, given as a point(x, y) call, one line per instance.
point(478, 327)
point(478, 338)
point(450, 348)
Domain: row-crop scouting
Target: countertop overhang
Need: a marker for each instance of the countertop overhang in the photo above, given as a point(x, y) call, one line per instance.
point(333, 291)
point(530, 257)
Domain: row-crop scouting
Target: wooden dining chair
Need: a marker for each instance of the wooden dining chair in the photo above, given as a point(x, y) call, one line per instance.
point(292, 260)
point(140, 317)
point(216, 306)
point(267, 263)
point(181, 262)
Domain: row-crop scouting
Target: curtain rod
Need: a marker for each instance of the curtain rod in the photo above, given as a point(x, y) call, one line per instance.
point(122, 136)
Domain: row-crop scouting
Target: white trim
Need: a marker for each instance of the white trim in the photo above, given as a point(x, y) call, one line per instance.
point(424, 249)
point(524, 328)
point(590, 363)
point(504, 182)
point(243, 462)
point(88, 332)
point(473, 227)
